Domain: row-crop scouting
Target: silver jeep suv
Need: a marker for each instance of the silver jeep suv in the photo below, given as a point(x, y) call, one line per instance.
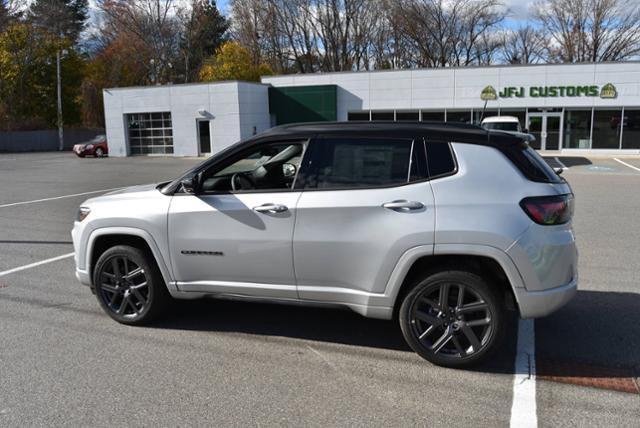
point(443, 227)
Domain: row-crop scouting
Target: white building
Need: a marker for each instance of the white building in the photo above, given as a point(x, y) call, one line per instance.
point(570, 108)
point(173, 119)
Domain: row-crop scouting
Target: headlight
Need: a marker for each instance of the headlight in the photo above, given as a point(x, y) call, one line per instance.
point(83, 212)
point(89, 146)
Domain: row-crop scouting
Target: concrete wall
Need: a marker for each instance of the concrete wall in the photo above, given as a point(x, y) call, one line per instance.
point(233, 108)
point(254, 109)
point(43, 141)
point(460, 87)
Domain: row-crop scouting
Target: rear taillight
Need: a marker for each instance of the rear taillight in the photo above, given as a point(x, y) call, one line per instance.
point(549, 210)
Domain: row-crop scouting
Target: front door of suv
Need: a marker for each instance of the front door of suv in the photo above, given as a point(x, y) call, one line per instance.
point(235, 235)
point(365, 202)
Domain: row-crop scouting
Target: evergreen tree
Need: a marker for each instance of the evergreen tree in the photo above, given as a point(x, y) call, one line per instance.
point(204, 29)
point(64, 18)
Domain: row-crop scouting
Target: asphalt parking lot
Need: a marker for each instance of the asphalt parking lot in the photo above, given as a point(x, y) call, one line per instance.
point(63, 362)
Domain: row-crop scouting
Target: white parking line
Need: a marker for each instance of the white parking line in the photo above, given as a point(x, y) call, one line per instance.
point(626, 164)
point(32, 265)
point(58, 197)
point(523, 409)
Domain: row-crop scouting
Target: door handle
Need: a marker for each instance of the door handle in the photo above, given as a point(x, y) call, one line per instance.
point(271, 208)
point(403, 205)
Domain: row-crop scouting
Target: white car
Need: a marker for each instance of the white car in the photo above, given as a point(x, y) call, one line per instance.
point(442, 227)
point(509, 124)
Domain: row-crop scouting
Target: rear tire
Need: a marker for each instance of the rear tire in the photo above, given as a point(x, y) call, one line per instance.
point(129, 286)
point(452, 318)
point(98, 153)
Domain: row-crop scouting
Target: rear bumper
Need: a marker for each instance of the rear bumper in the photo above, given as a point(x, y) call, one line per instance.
point(535, 304)
point(547, 259)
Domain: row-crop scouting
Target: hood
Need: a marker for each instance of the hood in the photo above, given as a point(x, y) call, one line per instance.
point(133, 189)
point(135, 192)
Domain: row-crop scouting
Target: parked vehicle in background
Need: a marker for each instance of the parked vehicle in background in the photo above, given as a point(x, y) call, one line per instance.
point(509, 124)
point(96, 147)
point(443, 227)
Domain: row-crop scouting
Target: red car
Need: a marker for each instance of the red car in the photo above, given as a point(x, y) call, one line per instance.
point(97, 147)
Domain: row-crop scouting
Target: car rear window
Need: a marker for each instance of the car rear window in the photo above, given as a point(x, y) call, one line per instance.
point(531, 164)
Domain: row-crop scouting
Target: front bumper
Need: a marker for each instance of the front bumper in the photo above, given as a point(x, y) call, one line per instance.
point(81, 150)
point(78, 237)
point(535, 304)
point(83, 276)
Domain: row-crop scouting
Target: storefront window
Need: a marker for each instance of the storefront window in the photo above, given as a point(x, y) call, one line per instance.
point(606, 129)
point(631, 129)
point(382, 115)
point(432, 116)
point(577, 129)
point(412, 116)
point(459, 116)
point(358, 116)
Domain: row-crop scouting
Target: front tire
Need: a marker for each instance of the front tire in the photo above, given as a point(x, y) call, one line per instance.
point(129, 286)
point(452, 318)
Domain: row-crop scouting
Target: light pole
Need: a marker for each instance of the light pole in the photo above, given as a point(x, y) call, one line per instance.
point(59, 87)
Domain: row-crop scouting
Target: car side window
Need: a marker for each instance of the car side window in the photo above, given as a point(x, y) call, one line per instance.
point(440, 159)
point(266, 167)
point(362, 162)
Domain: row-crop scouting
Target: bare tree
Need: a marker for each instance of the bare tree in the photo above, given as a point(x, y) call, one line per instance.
point(524, 45)
point(590, 30)
point(292, 38)
point(451, 32)
point(247, 25)
point(152, 22)
point(477, 44)
point(336, 35)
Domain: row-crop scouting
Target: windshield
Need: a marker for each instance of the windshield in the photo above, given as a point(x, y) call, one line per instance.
point(502, 126)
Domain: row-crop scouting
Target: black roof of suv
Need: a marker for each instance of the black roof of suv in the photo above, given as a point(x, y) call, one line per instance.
point(445, 131)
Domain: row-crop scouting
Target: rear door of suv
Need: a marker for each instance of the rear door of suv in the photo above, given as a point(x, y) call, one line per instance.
point(365, 201)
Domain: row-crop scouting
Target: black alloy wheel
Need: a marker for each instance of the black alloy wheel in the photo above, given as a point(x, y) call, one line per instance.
point(129, 286)
point(452, 318)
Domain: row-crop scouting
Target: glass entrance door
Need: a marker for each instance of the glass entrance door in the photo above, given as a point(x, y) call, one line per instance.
point(204, 137)
point(552, 142)
point(535, 129)
point(547, 128)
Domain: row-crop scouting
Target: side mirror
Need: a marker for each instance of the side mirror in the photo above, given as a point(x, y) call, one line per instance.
point(558, 171)
point(525, 130)
point(289, 169)
point(189, 185)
